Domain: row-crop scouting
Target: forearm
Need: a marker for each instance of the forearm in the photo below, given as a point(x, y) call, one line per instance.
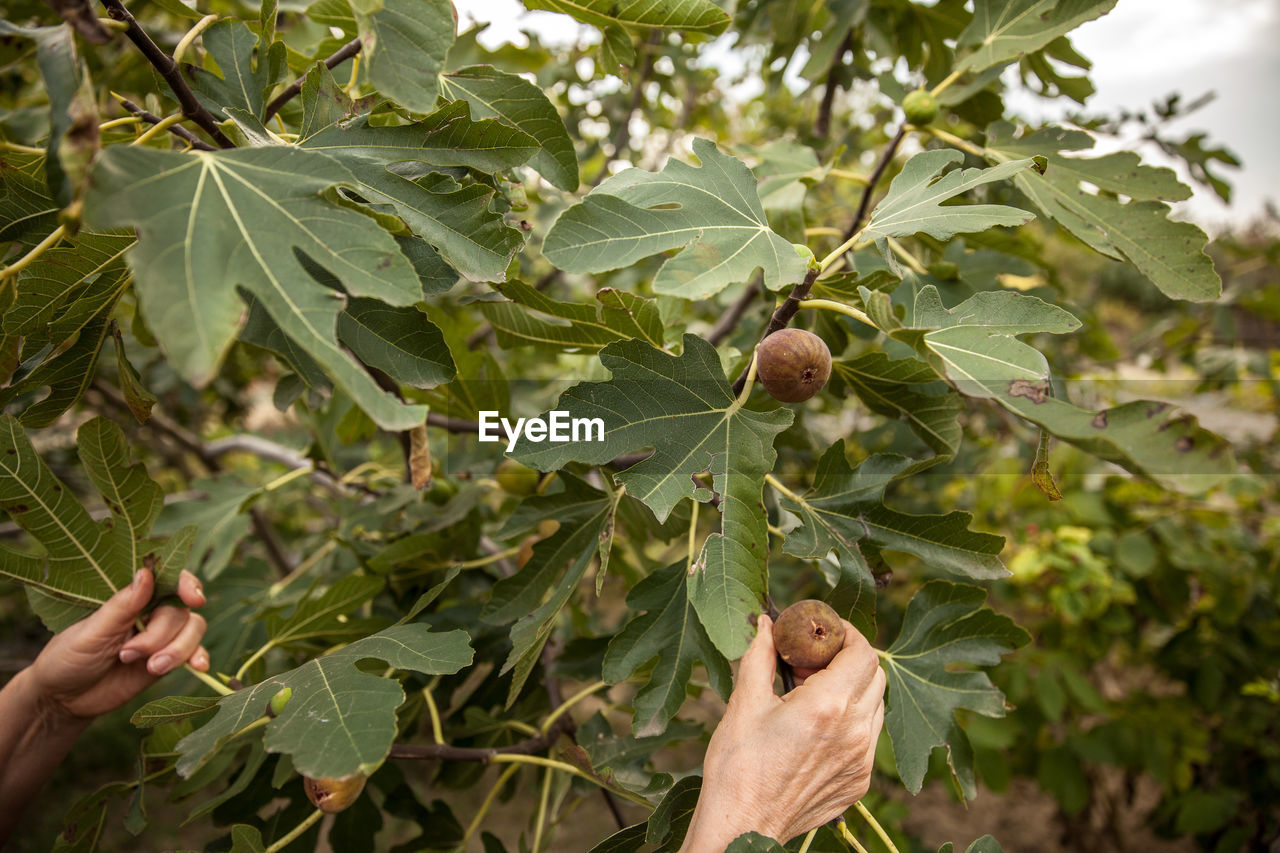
point(34, 738)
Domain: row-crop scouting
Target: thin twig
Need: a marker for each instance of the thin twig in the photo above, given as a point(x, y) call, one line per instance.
point(331, 62)
point(168, 69)
point(822, 124)
point(781, 317)
point(622, 138)
point(177, 129)
point(874, 178)
point(729, 320)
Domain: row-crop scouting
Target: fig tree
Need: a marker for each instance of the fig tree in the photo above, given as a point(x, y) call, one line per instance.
point(808, 634)
point(793, 365)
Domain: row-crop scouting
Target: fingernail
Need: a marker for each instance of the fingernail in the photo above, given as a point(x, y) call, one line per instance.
point(159, 664)
point(129, 655)
point(137, 578)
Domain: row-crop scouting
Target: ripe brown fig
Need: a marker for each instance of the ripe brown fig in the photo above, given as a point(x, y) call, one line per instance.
point(334, 795)
point(808, 634)
point(793, 365)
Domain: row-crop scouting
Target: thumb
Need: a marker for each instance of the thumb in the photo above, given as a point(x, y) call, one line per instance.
point(756, 671)
point(118, 612)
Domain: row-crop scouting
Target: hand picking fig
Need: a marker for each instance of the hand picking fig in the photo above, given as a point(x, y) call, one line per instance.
point(808, 634)
point(793, 365)
point(334, 795)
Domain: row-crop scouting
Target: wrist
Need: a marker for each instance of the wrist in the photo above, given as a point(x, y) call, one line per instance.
point(46, 712)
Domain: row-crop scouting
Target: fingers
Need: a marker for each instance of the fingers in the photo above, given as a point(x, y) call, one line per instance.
point(190, 589)
point(118, 612)
point(756, 671)
point(183, 646)
point(164, 625)
point(855, 665)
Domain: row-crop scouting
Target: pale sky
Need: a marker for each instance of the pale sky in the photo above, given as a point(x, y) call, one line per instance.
point(1142, 51)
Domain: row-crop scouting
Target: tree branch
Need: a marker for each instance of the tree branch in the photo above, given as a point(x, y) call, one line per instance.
point(781, 317)
point(864, 203)
point(729, 320)
point(176, 129)
point(331, 62)
point(822, 124)
point(168, 69)
point(622, 138)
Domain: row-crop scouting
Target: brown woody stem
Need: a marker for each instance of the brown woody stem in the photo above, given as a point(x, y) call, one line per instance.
point(168, 69)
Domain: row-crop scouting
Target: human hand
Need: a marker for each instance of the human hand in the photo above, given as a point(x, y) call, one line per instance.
point(781, 766)
point(99, 663)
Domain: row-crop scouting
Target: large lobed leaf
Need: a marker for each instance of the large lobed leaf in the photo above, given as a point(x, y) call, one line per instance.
point(913, 204)
point(1171, 254)
point(712, 212)
point(691, 16)
point(532, 318)
point(1007, 29)
point(535, 595)
point(668, 629)
point(945, 625)
point(515, 101)
point(846, 505)
point(405, 43)
point(683, 408)
point(339, 720)
point(84, 561)
point(209, 222)
point(973, 345)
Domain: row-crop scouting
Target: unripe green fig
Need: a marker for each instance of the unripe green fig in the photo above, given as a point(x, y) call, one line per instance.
point(808, 634)
point(920, 107)
point(516, 479)
point(276, 707)
point(334, 795)
point(945, 270)
point(793, 365)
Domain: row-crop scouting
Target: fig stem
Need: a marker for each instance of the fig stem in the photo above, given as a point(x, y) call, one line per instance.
point(875, 825)
point(907, 258)
point(957, 142)
point(839, 308)
point(437, 731)
point(751, 378)
point(808, 839)
point(693, 537)
point(783, 490)
point(946, 82)
point(296, 832)
point(840, 250)
point(849, 837)
point(570, 702)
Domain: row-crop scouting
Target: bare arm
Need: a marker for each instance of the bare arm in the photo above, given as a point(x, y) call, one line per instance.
point(95, 666)
point(782, 765)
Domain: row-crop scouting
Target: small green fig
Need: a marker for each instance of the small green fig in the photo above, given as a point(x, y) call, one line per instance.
point(808, 634)
point(920, 107)
point(276, 706)
point(334, 795)
point(516, 479)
